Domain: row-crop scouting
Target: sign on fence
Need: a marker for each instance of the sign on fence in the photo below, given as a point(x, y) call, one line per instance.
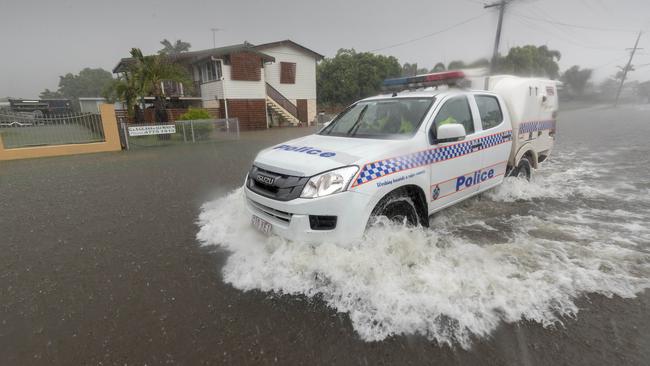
point(151, 130)
point(190, 131)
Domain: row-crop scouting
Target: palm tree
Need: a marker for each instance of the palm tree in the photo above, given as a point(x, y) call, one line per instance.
point(126, 89)
point(173, 48)
point(149, 73)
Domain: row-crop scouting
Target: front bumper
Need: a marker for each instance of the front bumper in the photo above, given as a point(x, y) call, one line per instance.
point(290, 219)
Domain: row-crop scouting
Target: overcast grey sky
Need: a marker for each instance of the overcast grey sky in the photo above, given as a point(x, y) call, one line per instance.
point(44, 39)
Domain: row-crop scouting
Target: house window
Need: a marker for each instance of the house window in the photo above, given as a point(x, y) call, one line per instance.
point(287, 72)
point(211, 71)
point(245, 66)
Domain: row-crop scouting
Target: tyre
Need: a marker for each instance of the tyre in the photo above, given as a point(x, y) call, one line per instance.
point(397, 207)
point(523, 169)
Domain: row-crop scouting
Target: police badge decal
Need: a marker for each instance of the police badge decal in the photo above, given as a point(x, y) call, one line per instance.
point(435, 193)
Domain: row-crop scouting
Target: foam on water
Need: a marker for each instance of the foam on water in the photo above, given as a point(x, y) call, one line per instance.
point(522, 251)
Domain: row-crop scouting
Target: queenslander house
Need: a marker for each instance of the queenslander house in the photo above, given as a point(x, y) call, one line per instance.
point(262, 85)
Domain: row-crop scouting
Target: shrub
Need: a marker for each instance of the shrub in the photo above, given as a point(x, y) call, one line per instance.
point(195, 113)
point(202, 130)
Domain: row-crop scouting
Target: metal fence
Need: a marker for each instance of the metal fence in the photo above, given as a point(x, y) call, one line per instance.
point(26, 129)
point(179, 132)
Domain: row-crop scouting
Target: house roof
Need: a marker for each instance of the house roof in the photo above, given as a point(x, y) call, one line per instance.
point(288, 42)
point(196, 56)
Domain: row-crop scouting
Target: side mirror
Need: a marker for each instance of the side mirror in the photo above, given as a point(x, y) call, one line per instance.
point(450, 132)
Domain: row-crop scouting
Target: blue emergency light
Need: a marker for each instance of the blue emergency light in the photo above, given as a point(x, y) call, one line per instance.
point(423, 81)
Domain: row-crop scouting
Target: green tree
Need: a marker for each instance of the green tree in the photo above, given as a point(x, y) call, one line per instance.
point(49, 94)
point(530, 60)
point(88, 83)
point(409, 69)
point(150, 71)
point(576, 79)
point(644, 90)
point(456, 64)
point(412, 70)
point(481, 62)
point(608, 88)
point(621, 71)
point(460, 64)
point(439, 67)
point(352, 75)
point(173, 48)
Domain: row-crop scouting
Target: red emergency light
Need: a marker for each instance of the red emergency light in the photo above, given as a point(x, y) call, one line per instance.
point(424, 81)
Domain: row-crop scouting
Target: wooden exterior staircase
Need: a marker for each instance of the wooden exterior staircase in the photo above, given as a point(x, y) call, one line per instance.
point(281, 106)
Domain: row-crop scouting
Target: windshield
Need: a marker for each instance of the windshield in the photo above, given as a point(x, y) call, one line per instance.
point(384, 118)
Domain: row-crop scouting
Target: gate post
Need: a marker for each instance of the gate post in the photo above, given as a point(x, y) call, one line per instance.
point(125, 131)
point(109, 124)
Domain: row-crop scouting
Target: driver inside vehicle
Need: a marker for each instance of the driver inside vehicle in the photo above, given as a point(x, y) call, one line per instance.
point(447, 121)
point(396, 119)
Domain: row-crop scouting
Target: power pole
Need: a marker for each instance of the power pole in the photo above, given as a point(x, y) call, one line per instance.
point(627, 67)
point(495, 53)
point(214, 37)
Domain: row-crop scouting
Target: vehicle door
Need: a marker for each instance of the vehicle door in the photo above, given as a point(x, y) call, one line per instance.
point(496, 139)
point(453, 163)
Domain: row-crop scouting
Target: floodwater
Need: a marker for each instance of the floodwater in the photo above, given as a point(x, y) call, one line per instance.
point(523, 251)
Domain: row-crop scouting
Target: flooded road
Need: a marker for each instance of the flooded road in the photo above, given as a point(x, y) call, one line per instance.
point(101, 264)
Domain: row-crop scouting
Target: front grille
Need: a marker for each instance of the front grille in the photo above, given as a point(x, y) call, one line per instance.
point(280, 215)
point(274, 185)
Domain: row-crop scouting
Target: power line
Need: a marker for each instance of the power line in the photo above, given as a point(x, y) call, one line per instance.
point(430, 34)
point(567, 38)
point(563, 24)
point(608, 63)
point(541, 13)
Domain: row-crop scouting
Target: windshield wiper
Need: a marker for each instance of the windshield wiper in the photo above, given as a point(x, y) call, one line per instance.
point(356, 124)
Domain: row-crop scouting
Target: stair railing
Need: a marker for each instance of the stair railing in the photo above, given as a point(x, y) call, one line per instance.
point(281, 100)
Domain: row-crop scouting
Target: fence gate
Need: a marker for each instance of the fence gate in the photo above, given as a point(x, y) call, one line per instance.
point(27, 129)
point(179, 132)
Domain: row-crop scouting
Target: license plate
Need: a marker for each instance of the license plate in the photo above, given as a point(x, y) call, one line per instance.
point(261, 225)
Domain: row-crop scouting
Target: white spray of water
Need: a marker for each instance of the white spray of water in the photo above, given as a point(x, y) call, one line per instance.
point(442, 282)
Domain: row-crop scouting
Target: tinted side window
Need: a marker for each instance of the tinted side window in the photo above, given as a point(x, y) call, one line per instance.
point(490, 111)
point(456, 110)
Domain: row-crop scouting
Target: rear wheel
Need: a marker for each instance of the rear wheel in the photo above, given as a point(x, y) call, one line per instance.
point(523, 169)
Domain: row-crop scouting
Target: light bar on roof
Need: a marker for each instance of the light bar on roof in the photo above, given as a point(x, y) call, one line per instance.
point(423, 81)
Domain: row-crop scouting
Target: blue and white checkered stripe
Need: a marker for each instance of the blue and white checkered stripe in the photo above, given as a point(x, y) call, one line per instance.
point(532, 126)
point(382, 168)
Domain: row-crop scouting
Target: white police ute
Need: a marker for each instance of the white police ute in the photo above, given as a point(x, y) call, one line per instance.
point(403, 155)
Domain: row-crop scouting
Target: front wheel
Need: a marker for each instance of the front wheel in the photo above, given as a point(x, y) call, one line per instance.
point(398, 208)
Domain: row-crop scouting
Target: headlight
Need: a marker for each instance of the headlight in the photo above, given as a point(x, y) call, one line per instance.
point(330, 182)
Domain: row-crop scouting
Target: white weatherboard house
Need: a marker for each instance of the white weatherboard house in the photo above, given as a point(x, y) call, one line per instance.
point(293, 74)
point(259, 84)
